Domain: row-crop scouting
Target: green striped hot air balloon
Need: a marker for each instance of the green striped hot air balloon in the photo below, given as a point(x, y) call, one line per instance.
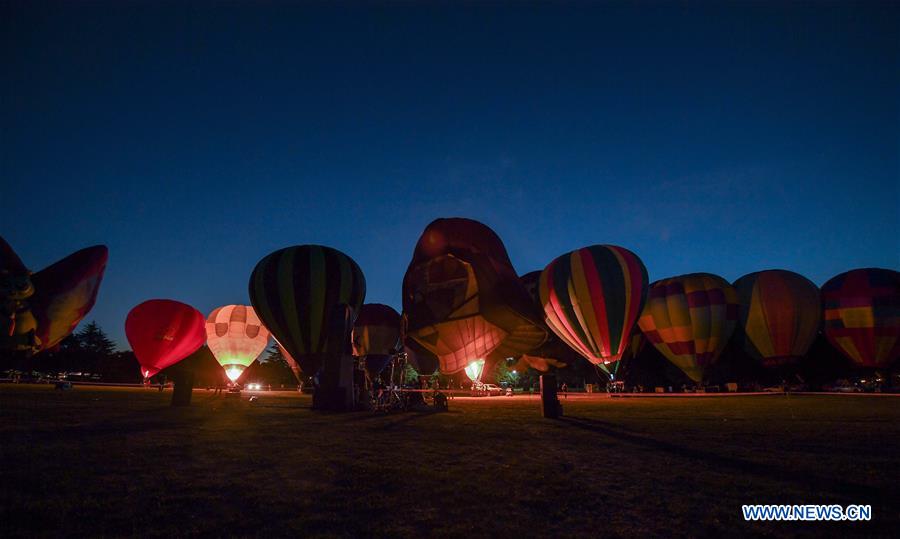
point(297, 291)
point(592, 298)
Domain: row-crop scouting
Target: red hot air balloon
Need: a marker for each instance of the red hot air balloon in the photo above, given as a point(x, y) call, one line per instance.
point(862, 315)
point(162, 332)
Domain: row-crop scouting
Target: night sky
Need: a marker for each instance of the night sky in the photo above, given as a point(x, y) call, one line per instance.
point(195, 140)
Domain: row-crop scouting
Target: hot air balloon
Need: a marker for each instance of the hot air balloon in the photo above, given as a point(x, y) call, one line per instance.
point(41, 309)
point(862, 315)
point(162, 332)
point(592, 298)
point(236, 337)
point(463, 300)
point(689, 319)
point(298, 293)
point(780, 313)
point(376, 336)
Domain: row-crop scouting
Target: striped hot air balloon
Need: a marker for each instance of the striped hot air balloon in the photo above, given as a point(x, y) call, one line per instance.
point(236, 338)
point(780, 312)
point(689, 319)
point(376, 335)
point(862, 315)
point(297, 292)
point(592, 298)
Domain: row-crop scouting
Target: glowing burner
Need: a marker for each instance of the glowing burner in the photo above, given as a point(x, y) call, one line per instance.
point(474, 369)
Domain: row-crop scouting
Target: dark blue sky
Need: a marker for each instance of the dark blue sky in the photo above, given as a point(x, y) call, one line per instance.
point(195, 140)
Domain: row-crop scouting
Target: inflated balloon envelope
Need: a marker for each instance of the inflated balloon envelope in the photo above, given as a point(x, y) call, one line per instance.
point(689, 319)
point(236, 337)
point(463, 300)
point(862, 315)
point(780, 313)
point(592, 298)
point(308, 297)
point(297, 292)
point(162, 332)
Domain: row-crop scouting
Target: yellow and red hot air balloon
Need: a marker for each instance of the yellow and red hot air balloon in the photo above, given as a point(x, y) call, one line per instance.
point(862, 315)
point(780, 312)
point(592, 298)
point(689, 319)
point(236, 338)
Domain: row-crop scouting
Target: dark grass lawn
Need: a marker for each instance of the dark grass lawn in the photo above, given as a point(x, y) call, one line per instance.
point(119, 462)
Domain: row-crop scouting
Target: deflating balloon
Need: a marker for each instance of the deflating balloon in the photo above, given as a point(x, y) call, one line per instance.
point(862, 315)
point(236, 338)
point(463, 299)
point(39, 310)
point(65, 292)
point(162, 332)
point(376, 336)
point(592, 298)
point(689, 319)
point(780, 313)
point(297, 292)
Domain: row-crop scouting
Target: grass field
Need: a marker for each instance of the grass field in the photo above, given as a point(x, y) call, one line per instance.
point(113, 462)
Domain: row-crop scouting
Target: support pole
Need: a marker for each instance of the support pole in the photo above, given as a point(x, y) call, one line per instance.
point(550, 406)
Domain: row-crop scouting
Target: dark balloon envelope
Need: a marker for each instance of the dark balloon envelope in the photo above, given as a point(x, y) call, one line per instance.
point(592, 298)
point(780, 313)
point(862, 315)
point(463, 300)
point(689, 319)
point(297, 293)
point(376, 335)
point(162, 332)
point(51, 302)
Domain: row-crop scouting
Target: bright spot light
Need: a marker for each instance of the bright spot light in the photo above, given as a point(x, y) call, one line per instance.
point(473, 369)
point(514, 371)
point(605, 362)
point(233, 373)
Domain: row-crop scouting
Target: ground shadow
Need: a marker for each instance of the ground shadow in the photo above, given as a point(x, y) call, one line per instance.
point(848, 492)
